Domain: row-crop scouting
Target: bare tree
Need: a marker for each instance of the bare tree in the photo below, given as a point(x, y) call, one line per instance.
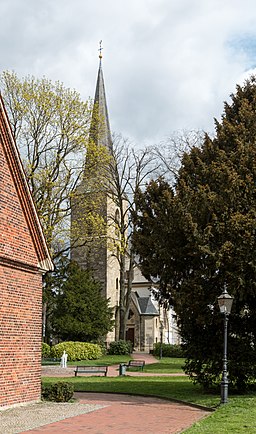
point(130, 170)
point(170, 151)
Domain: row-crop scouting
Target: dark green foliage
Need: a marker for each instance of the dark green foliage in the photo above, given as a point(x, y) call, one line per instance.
point(168, 350)
point(58, 392)
point(201, 236)
point(46, 350)
point(81, 312)
point(120, 347)
point(102, 344)
point(52, 283)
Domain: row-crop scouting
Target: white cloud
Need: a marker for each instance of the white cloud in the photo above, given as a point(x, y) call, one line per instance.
point(168, 65)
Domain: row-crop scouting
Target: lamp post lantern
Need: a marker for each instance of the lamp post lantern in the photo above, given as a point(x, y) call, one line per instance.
point(225, 304)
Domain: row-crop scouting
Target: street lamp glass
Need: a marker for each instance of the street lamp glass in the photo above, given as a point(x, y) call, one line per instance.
point(225, 302)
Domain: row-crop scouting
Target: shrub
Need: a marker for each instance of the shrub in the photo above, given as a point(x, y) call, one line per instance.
point(120, 348)
point(103, 346)
point(58, 392)
point(46, 350)
point(77, 351)
point(168, 350)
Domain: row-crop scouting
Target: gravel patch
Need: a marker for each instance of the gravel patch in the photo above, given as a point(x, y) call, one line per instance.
point(20, 419)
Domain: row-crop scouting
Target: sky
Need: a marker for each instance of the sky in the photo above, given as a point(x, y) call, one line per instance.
point(168, 65)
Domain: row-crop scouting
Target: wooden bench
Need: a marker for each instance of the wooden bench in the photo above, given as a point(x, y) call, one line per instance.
point(91, 370)
point(136, 364)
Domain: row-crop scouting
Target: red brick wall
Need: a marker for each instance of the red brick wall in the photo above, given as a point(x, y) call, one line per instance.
point(20, 336)
point(15, 238)
point(20, 297)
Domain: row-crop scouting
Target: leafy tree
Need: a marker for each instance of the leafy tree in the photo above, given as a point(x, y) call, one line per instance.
point(81, 313)
point(51, 126)
point(201, 236)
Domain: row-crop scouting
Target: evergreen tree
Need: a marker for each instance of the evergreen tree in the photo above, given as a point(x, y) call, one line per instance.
point(81, 312)
point(210, 244)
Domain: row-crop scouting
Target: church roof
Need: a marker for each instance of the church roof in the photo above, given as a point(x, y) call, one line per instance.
point(19, 178)
point(146, 306)
point(100, 131)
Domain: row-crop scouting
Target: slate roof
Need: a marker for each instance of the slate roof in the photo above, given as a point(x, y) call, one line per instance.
point(100, 131)
point(145, 305)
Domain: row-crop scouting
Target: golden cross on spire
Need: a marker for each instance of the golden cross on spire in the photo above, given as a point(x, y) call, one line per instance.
point(100, 50)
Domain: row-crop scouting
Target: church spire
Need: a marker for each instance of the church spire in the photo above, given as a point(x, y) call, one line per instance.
point(100, 128)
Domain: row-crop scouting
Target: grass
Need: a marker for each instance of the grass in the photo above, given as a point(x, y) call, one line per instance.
point(104, 360)
point(166, 366)
point(165, 387)
point(238, 416)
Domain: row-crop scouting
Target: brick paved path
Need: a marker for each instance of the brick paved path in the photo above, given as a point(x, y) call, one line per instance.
point(123, 414)
point(126, 415)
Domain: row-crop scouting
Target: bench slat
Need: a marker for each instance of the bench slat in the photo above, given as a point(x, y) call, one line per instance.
point(91, 369)
point(136, 364)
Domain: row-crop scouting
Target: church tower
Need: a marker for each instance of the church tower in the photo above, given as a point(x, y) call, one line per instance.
point(93, 255)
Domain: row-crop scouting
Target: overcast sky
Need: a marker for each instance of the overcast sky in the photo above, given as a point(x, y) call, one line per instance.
point(168, 64)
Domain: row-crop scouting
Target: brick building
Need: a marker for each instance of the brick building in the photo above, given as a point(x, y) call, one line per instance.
point(24, 257)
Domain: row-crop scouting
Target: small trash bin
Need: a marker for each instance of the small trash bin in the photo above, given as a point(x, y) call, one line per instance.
point(122, 369)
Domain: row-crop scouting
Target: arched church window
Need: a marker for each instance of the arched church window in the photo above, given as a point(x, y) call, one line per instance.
point(131, 314)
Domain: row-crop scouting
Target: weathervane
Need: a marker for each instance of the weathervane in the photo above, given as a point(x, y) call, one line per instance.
point(100, 50)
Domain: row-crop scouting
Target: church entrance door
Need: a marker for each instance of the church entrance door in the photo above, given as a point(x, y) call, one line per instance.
point(130, 335)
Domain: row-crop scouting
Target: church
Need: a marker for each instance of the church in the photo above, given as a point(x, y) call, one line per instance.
point(147, 322)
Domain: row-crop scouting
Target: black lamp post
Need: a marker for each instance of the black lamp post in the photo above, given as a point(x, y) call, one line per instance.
point(161, 339)
point(225, 304)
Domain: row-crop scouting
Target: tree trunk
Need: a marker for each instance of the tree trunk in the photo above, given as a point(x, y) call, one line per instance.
point(129, 287)
point(122, 325)
point(125, 295)
point(44, 321)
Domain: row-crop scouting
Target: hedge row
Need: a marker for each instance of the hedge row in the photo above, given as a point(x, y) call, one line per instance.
point(120, 348)
point(74, 350)
point(168, 350)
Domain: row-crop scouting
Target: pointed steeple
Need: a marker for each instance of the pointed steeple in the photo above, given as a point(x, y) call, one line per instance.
point(100, 128)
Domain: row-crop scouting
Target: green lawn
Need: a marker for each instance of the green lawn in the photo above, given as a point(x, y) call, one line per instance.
point(165, 387)
point(166, 366)
point(238, 416)
point(104, 360)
